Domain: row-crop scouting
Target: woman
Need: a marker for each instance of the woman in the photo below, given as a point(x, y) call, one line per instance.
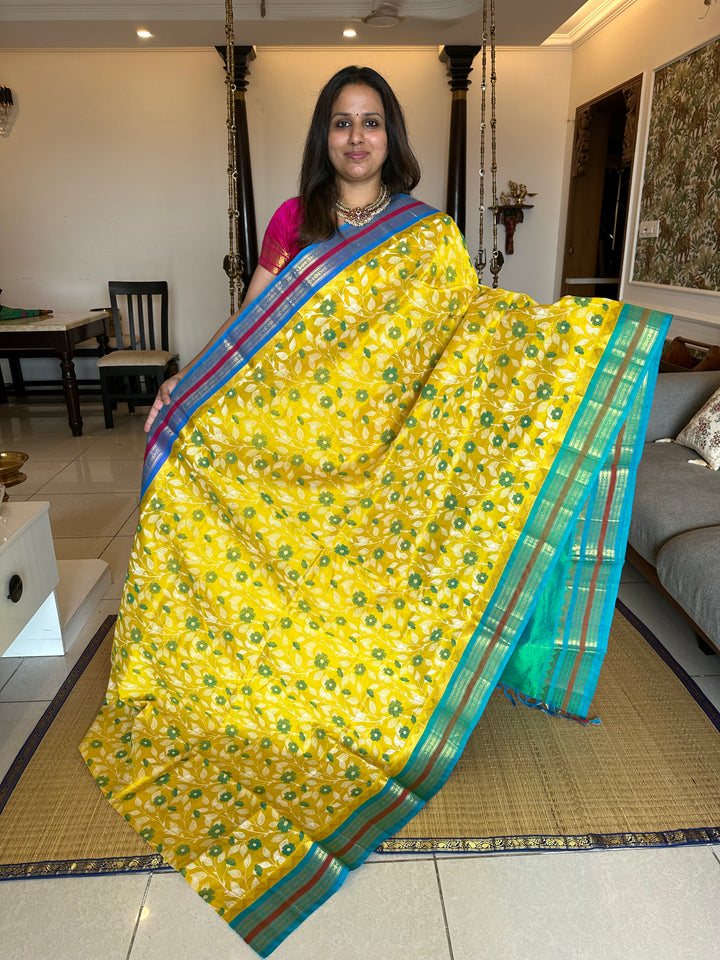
point(357, 157)
point(379, 492)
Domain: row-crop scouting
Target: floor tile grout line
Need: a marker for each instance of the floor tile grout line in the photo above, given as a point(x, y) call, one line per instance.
point(16, 702)
point(8, 679)
point(444, 912)
point(139, 917)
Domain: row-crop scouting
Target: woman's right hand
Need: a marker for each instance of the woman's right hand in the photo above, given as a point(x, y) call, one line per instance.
point(162, 399)
point(261, 278)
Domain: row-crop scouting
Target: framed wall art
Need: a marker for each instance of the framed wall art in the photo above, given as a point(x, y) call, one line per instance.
point(681, 184)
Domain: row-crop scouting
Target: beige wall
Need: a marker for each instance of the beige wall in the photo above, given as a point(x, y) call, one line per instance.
point(532, 131)
point(115, 169)
point(647, 35)
point(116, 166)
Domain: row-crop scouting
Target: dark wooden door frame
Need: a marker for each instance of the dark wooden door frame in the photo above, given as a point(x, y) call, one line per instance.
point(585, 195)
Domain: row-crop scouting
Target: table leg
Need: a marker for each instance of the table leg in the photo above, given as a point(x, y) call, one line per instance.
point(103, 340)
point(72, 394)
point(17, 376)
point(103, 344)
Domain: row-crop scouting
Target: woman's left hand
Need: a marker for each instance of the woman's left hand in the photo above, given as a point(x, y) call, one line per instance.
point(162, 399)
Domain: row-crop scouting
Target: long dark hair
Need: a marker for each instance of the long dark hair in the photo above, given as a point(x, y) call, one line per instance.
point(318, 183)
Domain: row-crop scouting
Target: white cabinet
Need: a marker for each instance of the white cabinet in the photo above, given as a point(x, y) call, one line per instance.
point(28, 577)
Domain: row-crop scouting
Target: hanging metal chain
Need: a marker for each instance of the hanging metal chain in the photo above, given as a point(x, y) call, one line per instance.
point(497, 259)
point(481, 258)
point(232, 264)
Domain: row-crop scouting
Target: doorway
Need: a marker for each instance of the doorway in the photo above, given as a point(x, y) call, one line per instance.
point(603, 151)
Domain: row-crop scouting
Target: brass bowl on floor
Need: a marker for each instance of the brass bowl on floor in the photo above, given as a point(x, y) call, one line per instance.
point(10, 463)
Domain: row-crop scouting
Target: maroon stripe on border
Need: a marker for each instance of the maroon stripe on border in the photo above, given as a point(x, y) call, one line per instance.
point(593, 579)
point(291, 899)
point(369, 823)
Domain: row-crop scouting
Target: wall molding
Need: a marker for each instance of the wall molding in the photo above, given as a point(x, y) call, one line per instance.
point(587, 22)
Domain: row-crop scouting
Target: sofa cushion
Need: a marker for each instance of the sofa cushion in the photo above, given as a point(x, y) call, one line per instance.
point(703, 432)
point(688, 568)
point(677, 398)
point(672, 496)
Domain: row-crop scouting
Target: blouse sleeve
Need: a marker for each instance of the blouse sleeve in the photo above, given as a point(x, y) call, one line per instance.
point(280, 243)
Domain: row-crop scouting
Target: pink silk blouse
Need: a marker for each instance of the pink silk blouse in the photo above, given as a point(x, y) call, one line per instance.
point(280, 243)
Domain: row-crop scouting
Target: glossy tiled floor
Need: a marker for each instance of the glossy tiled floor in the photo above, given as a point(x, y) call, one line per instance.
point(630, 904)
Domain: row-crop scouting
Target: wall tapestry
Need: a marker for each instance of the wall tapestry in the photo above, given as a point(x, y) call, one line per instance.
point(681, 188)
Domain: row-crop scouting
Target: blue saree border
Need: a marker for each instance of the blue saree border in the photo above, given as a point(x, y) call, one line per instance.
point(269, 920)
point(623, 519)
point(262, 319)
point(602, 528)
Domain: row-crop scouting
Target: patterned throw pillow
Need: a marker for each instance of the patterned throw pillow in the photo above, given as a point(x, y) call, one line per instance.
point(702, 434)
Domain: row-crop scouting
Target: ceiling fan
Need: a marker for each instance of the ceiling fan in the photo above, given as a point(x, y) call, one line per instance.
point(383, 15)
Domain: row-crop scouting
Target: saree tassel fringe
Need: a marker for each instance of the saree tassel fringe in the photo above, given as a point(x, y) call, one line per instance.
point(513, 695)
point(384, 491)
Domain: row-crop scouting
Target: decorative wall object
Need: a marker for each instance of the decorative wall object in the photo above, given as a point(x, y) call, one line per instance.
point(509, 211)
point(7, 110)
point(681, 188)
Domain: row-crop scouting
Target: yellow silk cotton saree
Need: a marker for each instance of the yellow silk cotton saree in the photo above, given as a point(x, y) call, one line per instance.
point(384, 492)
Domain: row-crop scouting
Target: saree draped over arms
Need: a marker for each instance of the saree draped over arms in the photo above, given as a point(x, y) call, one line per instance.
point(383, 492)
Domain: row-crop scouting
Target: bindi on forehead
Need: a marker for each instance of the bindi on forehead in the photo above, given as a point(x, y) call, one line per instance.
point(348, 113)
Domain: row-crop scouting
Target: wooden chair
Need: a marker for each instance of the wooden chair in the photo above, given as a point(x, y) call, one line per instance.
point(132, 373)
point(678, 357)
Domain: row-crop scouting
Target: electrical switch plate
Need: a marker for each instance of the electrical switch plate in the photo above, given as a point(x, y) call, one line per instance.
point(649, 228)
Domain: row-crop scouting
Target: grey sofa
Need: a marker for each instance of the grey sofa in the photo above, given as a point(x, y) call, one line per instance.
point(674, 538)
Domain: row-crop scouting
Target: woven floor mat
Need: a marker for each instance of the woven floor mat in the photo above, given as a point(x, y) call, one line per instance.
point(647, 775)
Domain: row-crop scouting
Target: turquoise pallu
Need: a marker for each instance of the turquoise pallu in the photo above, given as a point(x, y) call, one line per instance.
point(383, 493)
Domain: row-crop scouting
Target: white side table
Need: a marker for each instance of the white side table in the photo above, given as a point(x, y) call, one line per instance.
point(43, 604)
point(29, 618)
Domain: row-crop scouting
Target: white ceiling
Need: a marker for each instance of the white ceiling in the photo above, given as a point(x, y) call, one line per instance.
point(200, 23)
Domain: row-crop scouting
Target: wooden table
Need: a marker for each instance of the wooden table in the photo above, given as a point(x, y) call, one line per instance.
point(59, 333)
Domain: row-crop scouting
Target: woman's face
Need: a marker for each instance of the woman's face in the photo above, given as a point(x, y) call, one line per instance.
point(357, 140)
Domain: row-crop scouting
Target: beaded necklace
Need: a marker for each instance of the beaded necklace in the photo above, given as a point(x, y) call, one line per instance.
point(359, 216)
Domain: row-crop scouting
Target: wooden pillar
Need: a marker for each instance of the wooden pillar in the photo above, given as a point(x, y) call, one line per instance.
point(459, 66)
point(247, 230)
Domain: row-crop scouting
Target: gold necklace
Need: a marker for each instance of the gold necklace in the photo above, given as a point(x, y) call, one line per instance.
point(359, 216)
